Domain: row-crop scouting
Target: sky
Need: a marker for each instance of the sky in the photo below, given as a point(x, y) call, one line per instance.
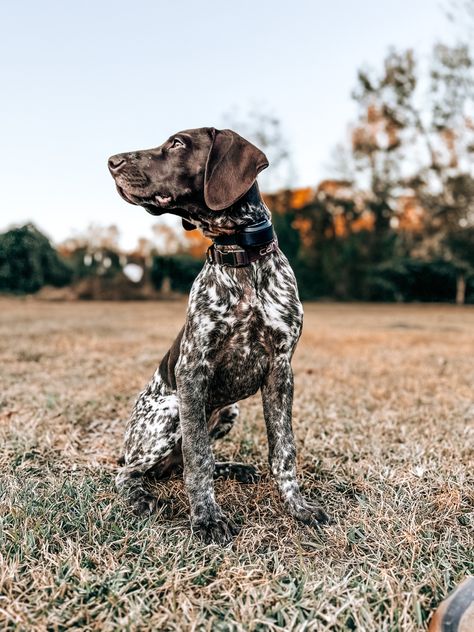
point(80, 81)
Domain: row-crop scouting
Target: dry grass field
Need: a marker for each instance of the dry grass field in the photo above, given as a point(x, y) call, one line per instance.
point(384, 410)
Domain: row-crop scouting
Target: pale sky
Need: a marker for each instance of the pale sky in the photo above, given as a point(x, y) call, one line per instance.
point(81, 80)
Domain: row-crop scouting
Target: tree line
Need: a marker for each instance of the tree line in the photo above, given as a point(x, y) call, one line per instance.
point(394, 223)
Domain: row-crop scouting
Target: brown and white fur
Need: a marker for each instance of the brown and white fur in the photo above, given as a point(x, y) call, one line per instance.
point(242, 326)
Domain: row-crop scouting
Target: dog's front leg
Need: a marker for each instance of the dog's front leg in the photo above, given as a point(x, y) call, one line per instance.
point(207, 518)
point(277, 397)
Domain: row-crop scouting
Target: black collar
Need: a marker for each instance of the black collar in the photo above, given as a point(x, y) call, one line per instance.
point(253, 235)
point(253, 242)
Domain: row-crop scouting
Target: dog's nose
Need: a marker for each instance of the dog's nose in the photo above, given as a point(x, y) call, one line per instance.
point(116, 163)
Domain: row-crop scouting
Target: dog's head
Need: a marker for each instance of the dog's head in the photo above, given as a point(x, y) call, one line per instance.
point(199, 168)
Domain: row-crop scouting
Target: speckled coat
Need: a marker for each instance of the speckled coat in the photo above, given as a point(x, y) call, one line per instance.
point(241, 329)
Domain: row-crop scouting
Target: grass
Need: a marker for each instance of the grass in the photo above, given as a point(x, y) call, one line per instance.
point(383, 419)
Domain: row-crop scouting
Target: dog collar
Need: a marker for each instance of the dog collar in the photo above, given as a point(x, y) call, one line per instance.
point(250, 244)
point(253, 235)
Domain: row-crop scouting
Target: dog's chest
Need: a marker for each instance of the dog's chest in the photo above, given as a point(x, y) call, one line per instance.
point(244, 320)
point(242, 357)
point(249, 308)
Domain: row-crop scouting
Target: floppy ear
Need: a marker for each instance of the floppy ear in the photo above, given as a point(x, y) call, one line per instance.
point(231, 169)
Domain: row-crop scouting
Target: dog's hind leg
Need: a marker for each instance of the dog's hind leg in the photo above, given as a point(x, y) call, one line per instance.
point(222, 420)
point(130, 483)
point(220, 423)
point(152, 435)
point(241, 472)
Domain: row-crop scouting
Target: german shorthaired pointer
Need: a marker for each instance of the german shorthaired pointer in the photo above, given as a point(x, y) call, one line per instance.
point(243, 321)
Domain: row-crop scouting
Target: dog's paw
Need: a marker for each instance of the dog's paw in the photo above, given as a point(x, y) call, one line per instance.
point(246, 474)
point(143, 505)
point(308, 512)
point(217, 529)
point(238, 471)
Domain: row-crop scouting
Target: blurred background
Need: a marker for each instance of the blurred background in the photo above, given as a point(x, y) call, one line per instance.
point(364, 109)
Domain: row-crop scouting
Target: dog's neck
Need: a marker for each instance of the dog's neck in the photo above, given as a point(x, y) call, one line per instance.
point(247, 211)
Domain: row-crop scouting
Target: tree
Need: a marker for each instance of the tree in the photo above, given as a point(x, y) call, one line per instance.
point(414, 151)
point(177, 271)
point(264, 129)
point(445, 185)
point(94, 252)
point(28, 261)
point(461, 12)
point(460, 245)
point(382, 136)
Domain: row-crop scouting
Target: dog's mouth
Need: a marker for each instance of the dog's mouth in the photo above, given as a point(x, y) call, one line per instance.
point(163, 200)
point(155, 204)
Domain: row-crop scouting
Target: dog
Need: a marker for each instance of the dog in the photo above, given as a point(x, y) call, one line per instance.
point(243, 322)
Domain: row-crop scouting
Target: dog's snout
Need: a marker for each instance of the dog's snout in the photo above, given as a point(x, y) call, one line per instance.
point(116, 163)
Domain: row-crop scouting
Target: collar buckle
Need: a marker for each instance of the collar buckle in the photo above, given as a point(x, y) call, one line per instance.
point(239, 258)
point(230, 258)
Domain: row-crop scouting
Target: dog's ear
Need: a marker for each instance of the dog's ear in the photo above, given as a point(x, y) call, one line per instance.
point(231, 169)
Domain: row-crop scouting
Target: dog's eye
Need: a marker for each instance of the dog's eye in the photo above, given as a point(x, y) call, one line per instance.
point(176, 142)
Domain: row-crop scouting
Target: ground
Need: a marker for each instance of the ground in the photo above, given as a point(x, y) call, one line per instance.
point(383, 418)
